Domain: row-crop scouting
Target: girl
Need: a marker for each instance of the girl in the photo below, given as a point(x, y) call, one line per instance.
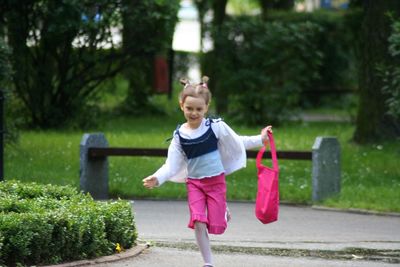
point(201, 153)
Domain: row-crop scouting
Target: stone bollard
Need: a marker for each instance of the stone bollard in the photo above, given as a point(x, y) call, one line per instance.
point(325, 168)
point(93, 171)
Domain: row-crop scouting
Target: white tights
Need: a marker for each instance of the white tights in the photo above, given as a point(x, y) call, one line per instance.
point(200, 230)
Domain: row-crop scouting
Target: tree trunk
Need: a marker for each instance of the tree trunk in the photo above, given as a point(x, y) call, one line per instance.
point(267, 5)
point(202, 7)
point(373, 123)
point(137, 100)
point(221, 96)
point(143, 41)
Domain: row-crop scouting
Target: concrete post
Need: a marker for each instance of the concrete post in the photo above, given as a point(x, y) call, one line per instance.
point(93, 171)
point(325, 168)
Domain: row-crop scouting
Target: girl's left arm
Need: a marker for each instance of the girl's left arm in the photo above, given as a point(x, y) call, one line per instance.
point(225, 132)
point(253, 141)
point(256, 140)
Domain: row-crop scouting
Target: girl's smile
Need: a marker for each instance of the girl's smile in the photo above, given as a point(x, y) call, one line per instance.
point(194, 110)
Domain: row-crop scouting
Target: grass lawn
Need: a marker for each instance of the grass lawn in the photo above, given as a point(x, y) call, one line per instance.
point(370, 174)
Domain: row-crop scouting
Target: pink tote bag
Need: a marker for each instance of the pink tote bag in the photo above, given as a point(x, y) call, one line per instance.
point(267, 201)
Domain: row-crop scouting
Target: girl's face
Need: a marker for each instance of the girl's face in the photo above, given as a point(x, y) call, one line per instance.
point(194, 109)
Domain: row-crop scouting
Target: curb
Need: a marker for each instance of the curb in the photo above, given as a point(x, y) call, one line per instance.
point(356, 211)
point(129, 253)
point(305, 205)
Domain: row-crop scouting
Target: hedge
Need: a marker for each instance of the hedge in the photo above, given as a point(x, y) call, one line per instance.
point(266, 70)
point(336, 41)
point(263, 68)
point(48, 224)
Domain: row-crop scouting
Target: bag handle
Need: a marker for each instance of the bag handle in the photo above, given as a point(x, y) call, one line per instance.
point(273, 153)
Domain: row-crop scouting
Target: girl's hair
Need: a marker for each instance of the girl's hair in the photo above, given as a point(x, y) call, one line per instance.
point(195, 90)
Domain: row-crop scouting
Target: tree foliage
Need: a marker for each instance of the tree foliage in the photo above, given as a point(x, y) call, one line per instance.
point(56, 54)
point(63, 50)
point(157, 21)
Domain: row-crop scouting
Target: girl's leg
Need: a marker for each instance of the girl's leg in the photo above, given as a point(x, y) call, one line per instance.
point(203, 242)
point(217, 211)
point(198, 218)
point(228, 216)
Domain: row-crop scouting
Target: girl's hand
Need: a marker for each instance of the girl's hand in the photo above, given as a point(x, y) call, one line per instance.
point(264, 133)
point(150, 182)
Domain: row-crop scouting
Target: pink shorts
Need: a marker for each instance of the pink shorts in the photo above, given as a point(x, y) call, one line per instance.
point(207, 202)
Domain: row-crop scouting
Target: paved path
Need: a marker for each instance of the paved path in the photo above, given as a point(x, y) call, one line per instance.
point(301, 237)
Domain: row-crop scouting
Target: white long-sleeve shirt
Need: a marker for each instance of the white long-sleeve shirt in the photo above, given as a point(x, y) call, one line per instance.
point(231, 148)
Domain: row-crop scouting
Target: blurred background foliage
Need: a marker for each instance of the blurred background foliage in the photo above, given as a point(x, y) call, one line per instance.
point(391, 72)
point(268, 62)
point(62, 52)
point(64, 73)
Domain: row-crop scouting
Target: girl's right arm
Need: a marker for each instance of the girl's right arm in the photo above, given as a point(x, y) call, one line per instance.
point(150, 182)
point(172, 166)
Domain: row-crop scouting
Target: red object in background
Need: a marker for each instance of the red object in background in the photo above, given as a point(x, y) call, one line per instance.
point(161, 75)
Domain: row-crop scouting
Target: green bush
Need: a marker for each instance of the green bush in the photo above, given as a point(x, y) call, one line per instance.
point(338, 71)
point(32, 190)
point(391, 73)
point(114, 232)
point(294, 59)
point(26, 237)
point(42, 224)
point(264, 67)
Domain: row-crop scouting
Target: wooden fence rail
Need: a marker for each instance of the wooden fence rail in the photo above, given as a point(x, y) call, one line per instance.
point(99, 152)
point(94, 153)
